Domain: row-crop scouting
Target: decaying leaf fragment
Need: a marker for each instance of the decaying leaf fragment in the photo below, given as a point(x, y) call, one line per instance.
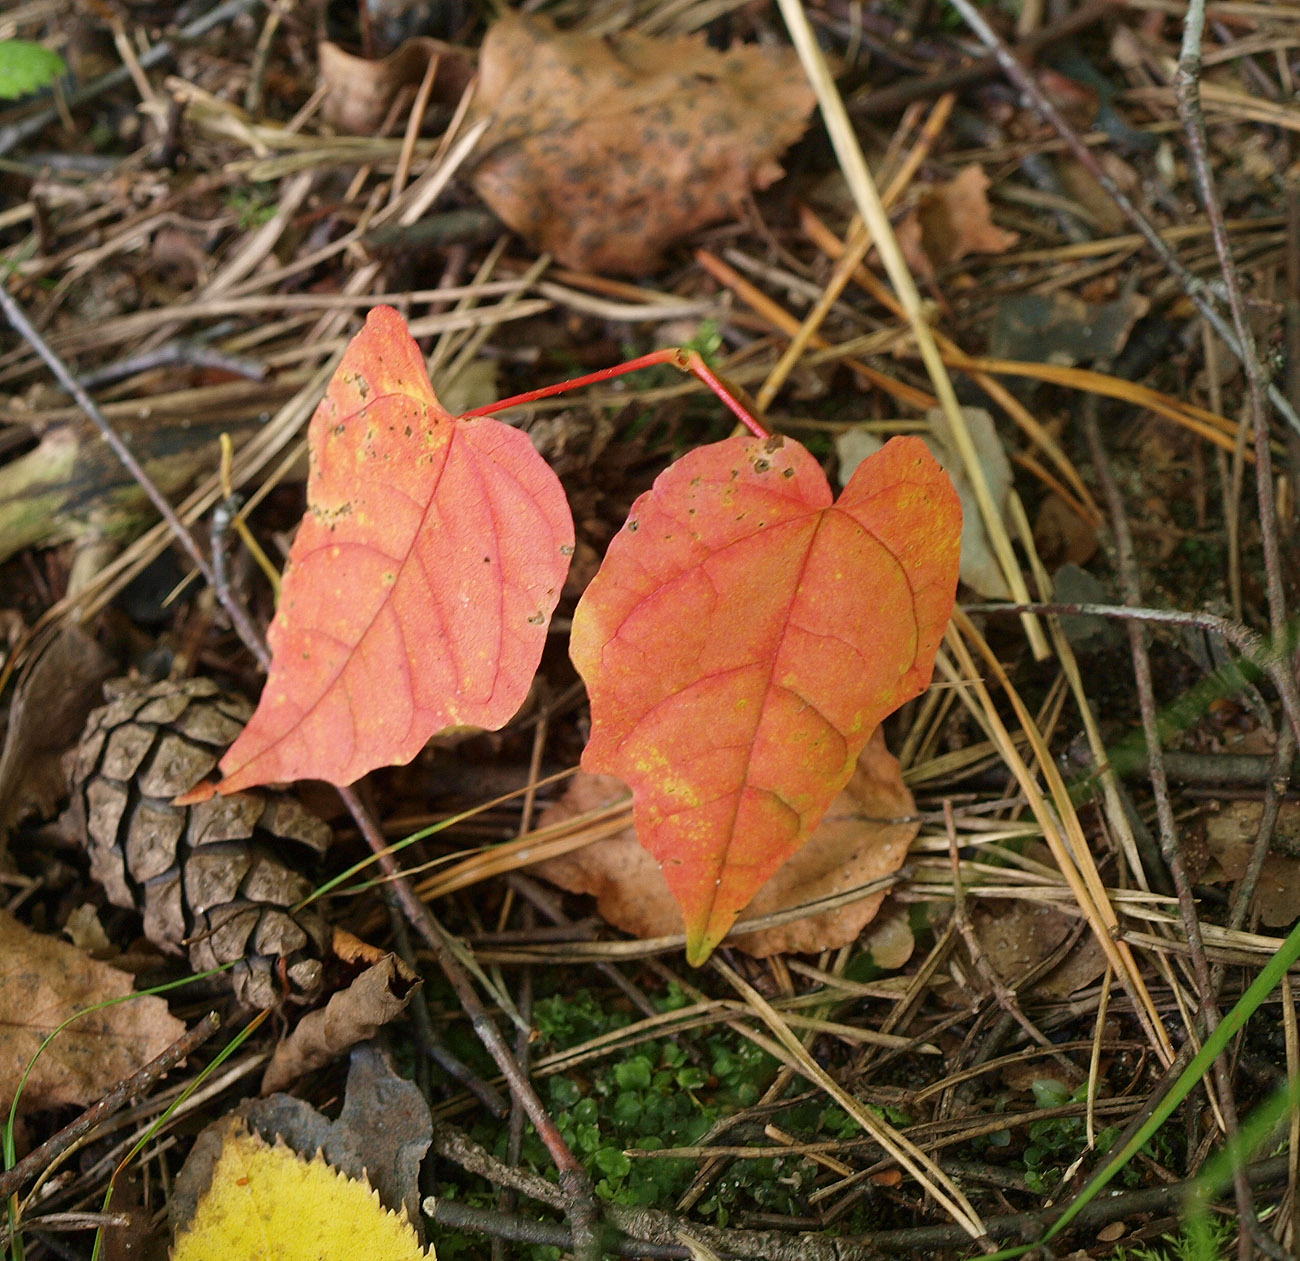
point(382, 1134)
point(864, 835)
point(43, 981)
point(55, 691)
point(266, 1202)
point(605, 151)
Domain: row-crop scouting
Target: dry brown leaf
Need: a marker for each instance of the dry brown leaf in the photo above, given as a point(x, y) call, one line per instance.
point(1018, 936)
point(951, 221)
point(1230, 836)
point(606, 151)
point(861, 839)
point(43, 981)
point(1278, 895)
point(1061, 536)
point(380, 994)
point(359, 92)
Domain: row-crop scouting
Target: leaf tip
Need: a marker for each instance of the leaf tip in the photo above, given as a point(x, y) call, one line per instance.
point(702, 942)
point(197, 795)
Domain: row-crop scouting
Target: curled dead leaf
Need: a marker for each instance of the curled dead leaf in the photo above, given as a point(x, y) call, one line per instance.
point(864, 836)
point(605, 151)
point(359, 92)
point(380, 994)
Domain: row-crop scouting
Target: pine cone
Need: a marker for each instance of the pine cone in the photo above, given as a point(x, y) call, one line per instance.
point(204, 877)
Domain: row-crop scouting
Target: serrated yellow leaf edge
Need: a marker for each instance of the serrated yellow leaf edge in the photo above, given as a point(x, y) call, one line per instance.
point(266, 1203)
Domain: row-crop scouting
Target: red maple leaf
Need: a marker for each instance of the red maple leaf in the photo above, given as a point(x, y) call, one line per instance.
point(421, 582)
point(744, 637)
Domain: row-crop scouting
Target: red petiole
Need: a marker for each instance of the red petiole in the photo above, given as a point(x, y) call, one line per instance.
point(687, 360)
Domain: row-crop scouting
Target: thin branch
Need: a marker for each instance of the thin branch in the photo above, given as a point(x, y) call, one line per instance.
point(1126, 564)
point(126, 1091)
point(580, 1200)
point(1187, 83)
point(1271, 659)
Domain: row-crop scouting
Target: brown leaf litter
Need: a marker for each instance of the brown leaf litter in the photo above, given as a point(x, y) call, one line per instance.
point(43, 981)
point(607, 151)
point(864, 836)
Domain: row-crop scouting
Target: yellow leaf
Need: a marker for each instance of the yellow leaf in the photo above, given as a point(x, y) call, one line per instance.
point(267, 1204)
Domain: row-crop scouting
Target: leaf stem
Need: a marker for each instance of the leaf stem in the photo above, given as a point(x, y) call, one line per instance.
point(678, 356)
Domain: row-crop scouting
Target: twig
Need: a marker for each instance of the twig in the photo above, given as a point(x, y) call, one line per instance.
point(1102, 1210)
point(511, 1227)
point(1193, 286)
point(1171, 851)
point(508, 1200)
point(426, 1035)
point(579, 1198)
point(176, 352)
point(1253, 646)
point(1187, 87)
point(653, 1226)
point(126, 1091)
